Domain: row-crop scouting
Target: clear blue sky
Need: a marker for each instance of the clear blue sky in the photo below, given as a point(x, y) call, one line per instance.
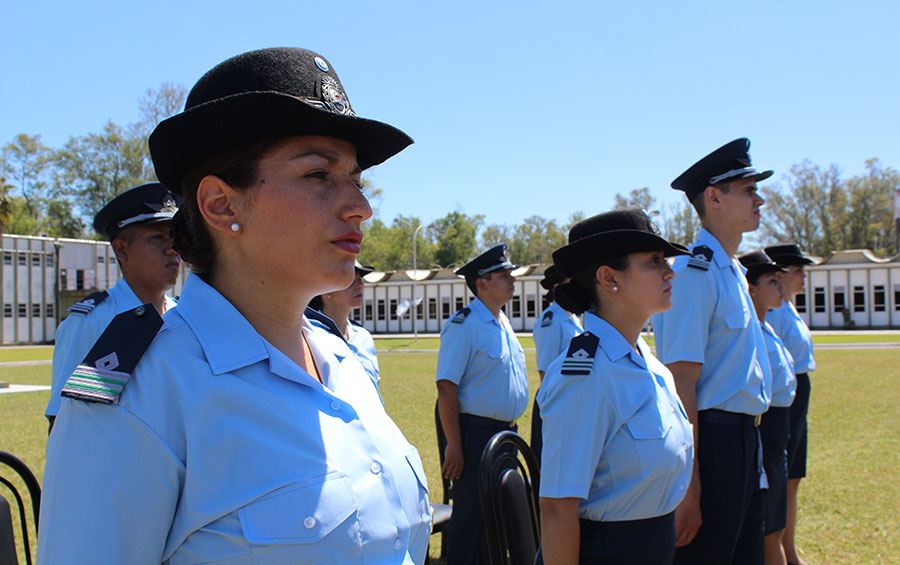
point(517, 108)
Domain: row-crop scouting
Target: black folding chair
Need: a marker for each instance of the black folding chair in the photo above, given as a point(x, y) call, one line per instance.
point(444, 510)
point(509, 487)
point(7, 543)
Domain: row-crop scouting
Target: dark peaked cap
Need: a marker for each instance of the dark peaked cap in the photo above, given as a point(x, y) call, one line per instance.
point(727, 163)
point(788, 254)
point(493, 259)
point(145, 204)
point(552, 277)
point(758, 263)
point(265, 94)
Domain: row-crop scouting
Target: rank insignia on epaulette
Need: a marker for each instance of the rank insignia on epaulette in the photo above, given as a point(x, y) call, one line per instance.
point(102, 375)
point(460, 316)
point(547, 319)
point(89, 302)
point(580, 356)
point(700, 258)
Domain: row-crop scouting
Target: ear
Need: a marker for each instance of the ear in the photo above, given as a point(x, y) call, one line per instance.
point(220, 204)
point(712, 198)
point(120, 248)
point(607, 278)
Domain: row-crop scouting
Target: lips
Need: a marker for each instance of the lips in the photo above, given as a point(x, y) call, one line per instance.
point(349, 242)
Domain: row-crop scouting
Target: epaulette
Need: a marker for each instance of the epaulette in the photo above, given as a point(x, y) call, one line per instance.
point(461, 316)
point(89, 302)
point(580, 356)
point(103, 373)
point(700, 258)
point(314, 314)
point(547, 319)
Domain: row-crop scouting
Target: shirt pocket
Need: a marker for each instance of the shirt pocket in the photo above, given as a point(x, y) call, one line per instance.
point(649, 430)
point(738, 318)
point(303, 513)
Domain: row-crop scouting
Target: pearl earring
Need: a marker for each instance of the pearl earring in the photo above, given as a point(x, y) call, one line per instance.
point(235, 227)
point(615, 288)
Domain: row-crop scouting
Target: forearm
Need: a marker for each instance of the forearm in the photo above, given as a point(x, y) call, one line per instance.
point(560, 531)
point(448, 408)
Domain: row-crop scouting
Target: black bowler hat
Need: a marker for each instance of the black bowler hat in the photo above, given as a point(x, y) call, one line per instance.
point(727, 163)
point(363, 270)
point(270, 93)
point(145, 204)
point(552, 277)
point(611, 234)
point(494, 259)
point(788, 254)
point(758, 264)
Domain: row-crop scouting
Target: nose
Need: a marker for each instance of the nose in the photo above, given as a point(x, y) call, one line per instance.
point(760, 199)
point(668, 273)
point(357, 207)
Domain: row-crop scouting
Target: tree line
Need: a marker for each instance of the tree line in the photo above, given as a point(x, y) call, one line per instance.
point(56, 191)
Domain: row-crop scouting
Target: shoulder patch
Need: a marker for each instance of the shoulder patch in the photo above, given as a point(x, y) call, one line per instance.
point(700, 258)
point(109, 364)
point(547, 320)
point(580, 356)
point(461, 315)
point(89, 302)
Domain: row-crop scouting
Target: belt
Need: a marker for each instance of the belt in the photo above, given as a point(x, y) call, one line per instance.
point(714, 416)
point(484, 421)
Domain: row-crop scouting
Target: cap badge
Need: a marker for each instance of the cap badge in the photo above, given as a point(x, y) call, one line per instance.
point(654, 229)
point(334, 97)
point(320, 62)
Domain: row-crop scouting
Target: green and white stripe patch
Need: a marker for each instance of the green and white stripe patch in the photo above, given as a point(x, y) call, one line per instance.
point(95, 385)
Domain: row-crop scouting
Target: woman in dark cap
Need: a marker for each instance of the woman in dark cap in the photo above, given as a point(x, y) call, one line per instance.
point(764, 278)
point(618, 448)
point(337, 306)
point(243, 434)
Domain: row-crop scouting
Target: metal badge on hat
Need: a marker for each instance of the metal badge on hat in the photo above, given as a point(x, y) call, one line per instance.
point(654, 229)
point(168, 205)
point(334, 99)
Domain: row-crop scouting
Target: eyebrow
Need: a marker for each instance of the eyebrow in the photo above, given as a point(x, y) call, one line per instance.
point(327, 156)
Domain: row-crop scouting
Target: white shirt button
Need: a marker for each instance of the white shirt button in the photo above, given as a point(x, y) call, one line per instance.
point(309, 522)
point(335, 405)
point(375, 467)
point(398, 543)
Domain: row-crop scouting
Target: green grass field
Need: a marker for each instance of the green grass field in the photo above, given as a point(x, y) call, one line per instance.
point(848, 503)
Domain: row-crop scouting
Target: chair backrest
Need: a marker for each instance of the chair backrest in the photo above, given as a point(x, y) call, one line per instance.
point(34, 491)
point(509, 487)
point(442, 446)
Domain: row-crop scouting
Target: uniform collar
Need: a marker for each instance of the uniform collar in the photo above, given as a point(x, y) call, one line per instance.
point(123, 295)
point(611, 341)
point(484, 314)
point(720, 258)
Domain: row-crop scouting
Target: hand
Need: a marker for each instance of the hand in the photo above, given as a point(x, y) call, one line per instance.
point(688, 517)
point(453, 461)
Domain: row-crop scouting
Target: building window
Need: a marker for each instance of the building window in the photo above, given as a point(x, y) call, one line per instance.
point(49, 261)
point(355, 314)
point(23, 260)
point(23, 310)
point(839, 303)
point(859, 299)
point(368, 307)
point(432, 308)
point(7, 258)
point(35, 310)
point(459, 302)
point(101, 259)
point(530, 305)
point(897, 297)
point(7, 310)
point(381, 309)
point(878, 298)
point(63, 282)
point(393, 308)
point(79, 279)
point(420, 311)
point(819, 299)
point(48, 310)
point(35, 260)
point(516, 306)
point(445, 307)
point(545, 301)
point(800, 303)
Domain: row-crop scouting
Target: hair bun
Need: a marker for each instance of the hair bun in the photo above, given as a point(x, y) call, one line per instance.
point(572, 297)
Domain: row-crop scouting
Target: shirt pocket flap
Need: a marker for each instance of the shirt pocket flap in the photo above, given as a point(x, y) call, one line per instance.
point(648, 425)
point(737, 319)
point(299, 512)
point(416, 463)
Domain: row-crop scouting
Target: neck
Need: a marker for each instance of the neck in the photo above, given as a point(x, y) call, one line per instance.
point(622, 317)
point(724, 234)
point(340, 316)
point(761, 311)
point(155, 296)
point(493, 307)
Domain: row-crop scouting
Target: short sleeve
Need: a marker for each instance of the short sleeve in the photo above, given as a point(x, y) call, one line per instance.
point(548, 344)
point(74, 339)
point(454, 352)
point(110, 489)
point(681, 332)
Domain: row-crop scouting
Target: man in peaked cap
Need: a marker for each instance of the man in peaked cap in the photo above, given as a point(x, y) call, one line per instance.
point(712, 342)
point(137, 225)
point(482, 389)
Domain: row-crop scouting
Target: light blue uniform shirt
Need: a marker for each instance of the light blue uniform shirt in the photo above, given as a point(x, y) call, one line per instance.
point(362, 344)
point(221, 449)
point(793, 331)
point(78, 332)
point(484, 359)
point(552, 334)
point(712, 321)
point(617, 438)
point(784, 381)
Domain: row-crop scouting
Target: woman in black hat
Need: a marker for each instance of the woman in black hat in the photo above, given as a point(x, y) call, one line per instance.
point(244, 434)
point(618, 448)
point(337, 306)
